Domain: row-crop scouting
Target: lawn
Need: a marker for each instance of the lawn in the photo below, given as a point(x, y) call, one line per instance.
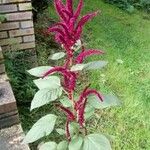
point(126, 40)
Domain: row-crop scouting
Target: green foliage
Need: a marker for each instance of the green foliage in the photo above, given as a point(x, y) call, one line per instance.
point(2, 18)
point(76, 143)
point(97, 142)
point(39, 6)
point(129, 5)
point(109, 101)
point(62, 145)
point(42, 127)
point(44, 96)
point(16, 65)
point(89, 66)
point(48, 146)
point(57, 56)
point(39, 71)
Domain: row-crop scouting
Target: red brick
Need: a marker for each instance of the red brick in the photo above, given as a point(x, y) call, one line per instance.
point(13, 1)
point(8, 26)
point(19, 16)
point(3, 35)
point(26, 46)
point(15, 33)
point(21, 46)
point(26, 24)
point(10, 41)
point(1, 54)
point(8, 8)
point(25, 6)
point(30, 38)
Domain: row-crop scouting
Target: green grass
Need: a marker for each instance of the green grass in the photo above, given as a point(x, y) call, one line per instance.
point(126, 37)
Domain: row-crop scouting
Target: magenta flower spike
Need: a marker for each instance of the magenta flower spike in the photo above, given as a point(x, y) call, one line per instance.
point(68, 33)
point(87, 53)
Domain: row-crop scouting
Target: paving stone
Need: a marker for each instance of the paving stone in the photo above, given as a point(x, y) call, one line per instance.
point(2, 68)
point(11, 138)
point(10, 120)
point(3, 78)
point(7, 99)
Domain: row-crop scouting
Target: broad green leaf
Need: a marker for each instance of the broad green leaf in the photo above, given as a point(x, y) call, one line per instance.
point(96, 142)
point(57, 56)
point(89, 111)
point(43, 127)
point(78, 67)
point(48, 146)
point(73, 128)
point(62, 145)
point(66, 102)
point(76, 143)
point(96, 65)
point(44, 96)
point(39, 71)
point(89, 66)
point(50, 82)
point(77, 45)
point(109, 100)
point(60, 131)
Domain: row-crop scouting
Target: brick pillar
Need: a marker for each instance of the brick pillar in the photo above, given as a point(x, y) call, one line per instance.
point(17, 32)
point(2, 66)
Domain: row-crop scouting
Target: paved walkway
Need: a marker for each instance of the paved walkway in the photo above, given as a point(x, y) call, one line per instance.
point(11, 139)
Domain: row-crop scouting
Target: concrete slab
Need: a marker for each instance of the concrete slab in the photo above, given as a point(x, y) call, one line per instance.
point(11, 139)
point(7, 99)
point(8, 108)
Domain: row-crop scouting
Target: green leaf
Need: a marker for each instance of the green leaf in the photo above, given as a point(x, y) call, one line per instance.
point(109, 100)
point(89, 66)
point(48, 146)
point(78, 67)
point(44, 96)
point(39, 71)
point(73, 128)
point(51, 82)
point(2, 18)
point(66, 102)
point(43, 127)
point(96, 142)
point(76, 143)
point(57, 56)
point(60, 131)
point(89, 111)
point(77, 45)
point(62, 145)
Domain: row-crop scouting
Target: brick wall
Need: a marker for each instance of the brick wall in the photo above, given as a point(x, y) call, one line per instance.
point(17, 32)
point(2, 67)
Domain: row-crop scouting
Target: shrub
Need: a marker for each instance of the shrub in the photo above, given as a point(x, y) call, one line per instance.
point(130, 4)
point(39, 6)
point(78, 108)
point(16, 64)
